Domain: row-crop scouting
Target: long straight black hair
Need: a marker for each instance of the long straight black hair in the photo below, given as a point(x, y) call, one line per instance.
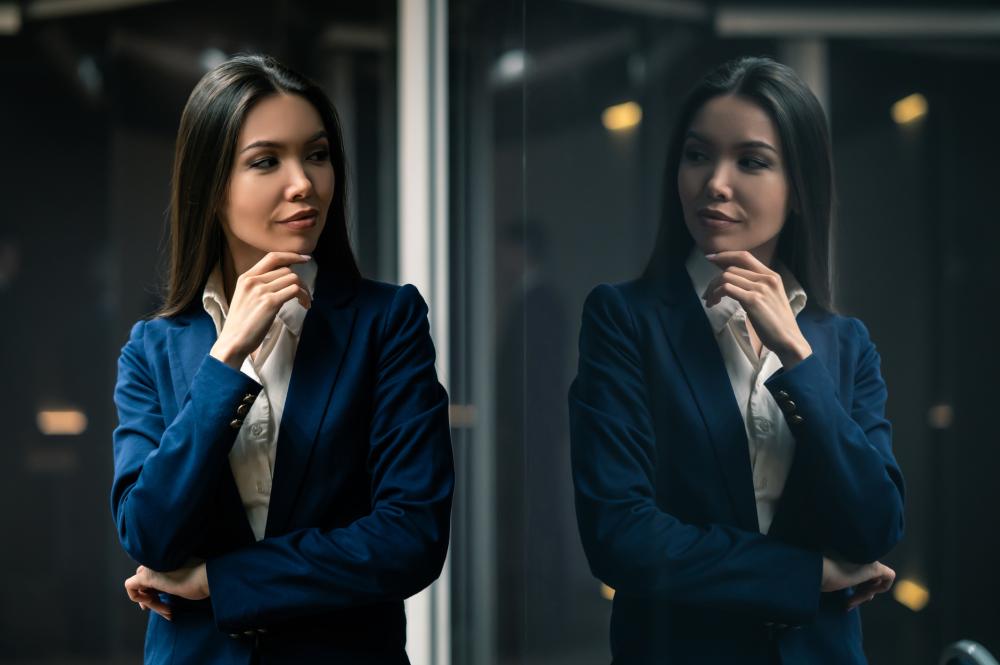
point(206, 146)
point(804, 242)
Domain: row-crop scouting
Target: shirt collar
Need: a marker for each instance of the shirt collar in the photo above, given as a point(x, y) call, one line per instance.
point(702, 271)
point(292, 314)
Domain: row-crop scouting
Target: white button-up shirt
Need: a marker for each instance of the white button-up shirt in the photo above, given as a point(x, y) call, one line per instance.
point(252, 455)
point(771, 444)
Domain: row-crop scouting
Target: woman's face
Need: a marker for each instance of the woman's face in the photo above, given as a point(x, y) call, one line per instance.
point(731, 178)
point(281, 183)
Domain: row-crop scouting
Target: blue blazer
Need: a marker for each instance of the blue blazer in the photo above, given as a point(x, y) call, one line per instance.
point(361, 497)
point(664, 493)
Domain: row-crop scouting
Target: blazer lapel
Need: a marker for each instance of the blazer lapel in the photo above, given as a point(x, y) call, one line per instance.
point(698, 354)
point(188, 343)
point(326, 333)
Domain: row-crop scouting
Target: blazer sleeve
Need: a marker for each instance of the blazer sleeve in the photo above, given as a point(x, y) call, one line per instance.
point(846, 457)
point(389, 554)
point(633, 545)
point(166, 472)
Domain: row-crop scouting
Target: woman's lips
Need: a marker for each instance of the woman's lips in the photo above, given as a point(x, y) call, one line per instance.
point(716, 222)
point(301, 223)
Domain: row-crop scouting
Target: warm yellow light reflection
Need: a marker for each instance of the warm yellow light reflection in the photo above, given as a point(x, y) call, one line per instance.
point(909, 109)
point(61, 422)
point(462, 415)
point(621, 117)
point(607, 592)
point(940, 416)
point(911, 594)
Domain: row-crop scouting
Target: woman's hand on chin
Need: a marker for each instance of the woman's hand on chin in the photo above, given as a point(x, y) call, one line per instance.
point(189, 582)
point(761, 293)
point(259, 294)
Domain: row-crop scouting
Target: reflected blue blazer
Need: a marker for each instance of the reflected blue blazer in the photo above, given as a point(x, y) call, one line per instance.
point(362, 488)
point(664, 493)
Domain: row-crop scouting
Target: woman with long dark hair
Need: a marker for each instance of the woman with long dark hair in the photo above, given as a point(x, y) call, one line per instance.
point(735, 482)
point(283, 470)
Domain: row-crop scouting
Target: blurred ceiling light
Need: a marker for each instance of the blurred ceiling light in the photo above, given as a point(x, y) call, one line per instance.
point(911, 594)
point(10, 18)
point(211, 58)
point(622, 117)
point(607, 593)
point(48, 9)
point(909, 109)
point(940, 416)
point(511, 65)
point(62, 422)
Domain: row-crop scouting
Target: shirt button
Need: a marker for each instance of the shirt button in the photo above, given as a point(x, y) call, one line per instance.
point(763, 426)
point(256, 429)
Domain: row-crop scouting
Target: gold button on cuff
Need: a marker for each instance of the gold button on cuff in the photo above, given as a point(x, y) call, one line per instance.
point(236, 424)
point(788, 406)
point(242, 409)
point(249, 397)
point(796, 419)
point(781, 394)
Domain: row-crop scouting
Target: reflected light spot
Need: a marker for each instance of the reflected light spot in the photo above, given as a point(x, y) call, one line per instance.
point(511, 64)
point(462, 415)
point(10, 18)
point(911, 594)
point(940, 416)
point(621, 117)
point(211, 58)
point(909, 109)
point(65, 422)
point(607, 593)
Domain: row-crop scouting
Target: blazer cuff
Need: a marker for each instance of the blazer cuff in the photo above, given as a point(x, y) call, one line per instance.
point(802, 392)
point(223, 393)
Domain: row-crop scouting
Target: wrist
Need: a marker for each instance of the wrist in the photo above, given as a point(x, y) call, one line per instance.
point(795, 353)
point(227, 354)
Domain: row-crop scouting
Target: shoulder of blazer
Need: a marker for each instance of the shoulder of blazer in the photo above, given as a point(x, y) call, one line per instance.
point(374, 294)
point(850, 331)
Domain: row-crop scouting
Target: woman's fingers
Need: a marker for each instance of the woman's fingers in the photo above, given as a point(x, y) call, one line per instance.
point(878, 579)
point(273, 261)
point(146, 597)
point(740, 259)
point(734, 279)
point(744, 297)
point(293, 291)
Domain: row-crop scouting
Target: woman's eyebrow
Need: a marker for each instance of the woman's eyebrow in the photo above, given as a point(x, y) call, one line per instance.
point(745, 144)
point(277, 144)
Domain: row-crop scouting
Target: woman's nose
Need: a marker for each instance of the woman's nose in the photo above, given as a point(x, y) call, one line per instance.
point(299, 185)
point(718, 186)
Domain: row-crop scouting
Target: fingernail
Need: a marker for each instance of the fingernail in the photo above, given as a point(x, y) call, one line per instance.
point(711, 256)
point(307, 257)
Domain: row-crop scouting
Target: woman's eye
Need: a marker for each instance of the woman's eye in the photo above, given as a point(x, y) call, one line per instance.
point(320, 155)
point(265, 163)
point(754, 163)
point(693, 155)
